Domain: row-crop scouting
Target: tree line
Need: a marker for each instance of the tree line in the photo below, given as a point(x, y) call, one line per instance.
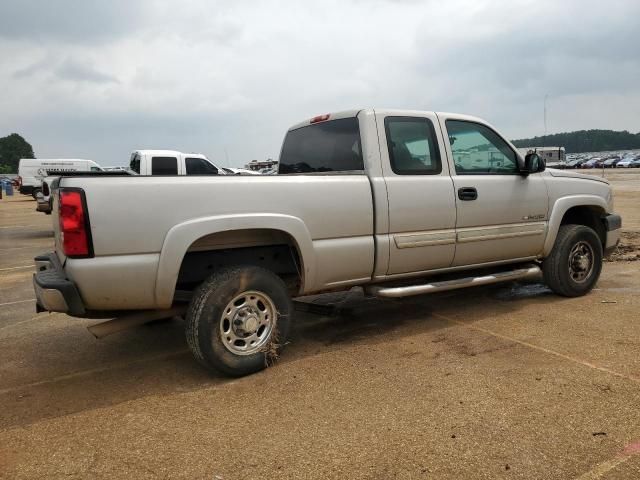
point(585, 141)
point(12, 148)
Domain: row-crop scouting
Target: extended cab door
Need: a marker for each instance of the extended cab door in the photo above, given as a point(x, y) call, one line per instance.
point(164, 165)
point(422, 210)
point(501, 215)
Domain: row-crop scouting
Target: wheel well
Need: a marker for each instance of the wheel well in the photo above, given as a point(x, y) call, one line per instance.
point(589, 216)
point(274, 250)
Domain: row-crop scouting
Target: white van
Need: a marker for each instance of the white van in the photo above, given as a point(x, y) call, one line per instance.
point(31, 171)
point(170, 162)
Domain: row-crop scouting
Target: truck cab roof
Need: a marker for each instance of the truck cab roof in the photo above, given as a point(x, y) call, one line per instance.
point(169, 153)
point(385, 111)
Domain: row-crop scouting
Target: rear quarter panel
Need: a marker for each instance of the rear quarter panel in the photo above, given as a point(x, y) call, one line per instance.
point(131, 217)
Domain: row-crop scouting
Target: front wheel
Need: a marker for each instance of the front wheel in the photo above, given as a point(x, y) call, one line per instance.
point(238, 320)
point(575, 263)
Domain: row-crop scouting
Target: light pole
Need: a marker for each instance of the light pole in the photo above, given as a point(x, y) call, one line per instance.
point(546, 95)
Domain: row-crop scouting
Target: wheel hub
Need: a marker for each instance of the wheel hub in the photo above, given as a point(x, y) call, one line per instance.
point(247, 322)
point(581, 261)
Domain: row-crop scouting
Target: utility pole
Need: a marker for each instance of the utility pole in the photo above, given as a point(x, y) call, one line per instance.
point(546, 95)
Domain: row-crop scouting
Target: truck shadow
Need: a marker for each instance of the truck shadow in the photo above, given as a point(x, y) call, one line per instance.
point(70, 372)
point(351, 316)
point(29, 235)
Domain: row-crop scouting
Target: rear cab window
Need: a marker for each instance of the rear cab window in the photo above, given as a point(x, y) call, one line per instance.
point(329, 146)
point(413, 147)
point(134, 164)
point(164, 166)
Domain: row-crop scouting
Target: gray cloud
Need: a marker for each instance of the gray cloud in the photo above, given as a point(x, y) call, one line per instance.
point(32, 69)
point(86, 21)
point(82, 72)
point(98, 79)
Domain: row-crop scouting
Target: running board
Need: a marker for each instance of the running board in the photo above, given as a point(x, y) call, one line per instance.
point(398, 292)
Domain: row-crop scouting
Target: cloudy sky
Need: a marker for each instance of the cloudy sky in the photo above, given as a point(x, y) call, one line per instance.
point(98, 79)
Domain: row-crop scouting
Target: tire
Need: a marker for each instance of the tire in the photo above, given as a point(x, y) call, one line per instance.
point(574, 265)
point(216, 327)
point(34, 192)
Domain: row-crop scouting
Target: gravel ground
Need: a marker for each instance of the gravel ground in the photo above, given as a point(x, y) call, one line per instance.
point(507, 381)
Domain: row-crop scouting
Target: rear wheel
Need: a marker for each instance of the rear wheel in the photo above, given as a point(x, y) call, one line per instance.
point(238, 320)
point(575, 263)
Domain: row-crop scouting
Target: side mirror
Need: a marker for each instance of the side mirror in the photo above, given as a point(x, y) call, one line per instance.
point(533, 164)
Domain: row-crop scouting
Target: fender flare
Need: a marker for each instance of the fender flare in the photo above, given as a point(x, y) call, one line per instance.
point(560, 207)
point(180, 237)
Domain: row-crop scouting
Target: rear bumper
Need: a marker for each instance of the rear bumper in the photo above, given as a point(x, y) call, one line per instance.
point(43, 203)
point(613, 225)
point(54, 292)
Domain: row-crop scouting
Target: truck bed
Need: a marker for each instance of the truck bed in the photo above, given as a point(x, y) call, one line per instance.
point(140, 224)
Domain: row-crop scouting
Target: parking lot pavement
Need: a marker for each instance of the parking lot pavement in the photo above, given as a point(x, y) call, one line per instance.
point(507, 381)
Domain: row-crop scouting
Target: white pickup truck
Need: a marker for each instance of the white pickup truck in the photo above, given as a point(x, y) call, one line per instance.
point(397, 202)
point(143, 162)
point(170, 162)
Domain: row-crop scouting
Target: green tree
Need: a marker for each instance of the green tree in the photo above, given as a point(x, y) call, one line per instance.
point(585, 141)
point(12, 148)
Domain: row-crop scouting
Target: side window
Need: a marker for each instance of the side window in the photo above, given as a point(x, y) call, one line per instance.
point(413, 149)
point(96, 169)
point(164, 166)
point(199, 166)
point(135, 163)
point(477, 149)
point(332, 146)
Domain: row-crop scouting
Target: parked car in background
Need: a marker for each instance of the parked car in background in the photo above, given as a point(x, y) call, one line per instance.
point(398, 202)
point(170, 162)
point(627, 162)
point(31, 171)
point(50, 184)
point(239, 171)
point(611, 162)
point(593, 163)
point(575, 163)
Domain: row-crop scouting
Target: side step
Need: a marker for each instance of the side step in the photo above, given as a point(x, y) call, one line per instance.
point(407, 291)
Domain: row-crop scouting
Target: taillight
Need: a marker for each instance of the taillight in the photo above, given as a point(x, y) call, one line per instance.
point(74, 223)
point(320, 118)
point(19, 181)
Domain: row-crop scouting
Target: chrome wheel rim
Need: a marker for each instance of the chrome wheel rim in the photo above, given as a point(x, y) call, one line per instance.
point(581, 262)
point(247, 322)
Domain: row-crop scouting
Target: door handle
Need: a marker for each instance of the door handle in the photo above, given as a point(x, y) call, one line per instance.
point(467, 193)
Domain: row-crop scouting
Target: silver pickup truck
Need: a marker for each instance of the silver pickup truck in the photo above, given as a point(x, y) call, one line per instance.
point(397, 202)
